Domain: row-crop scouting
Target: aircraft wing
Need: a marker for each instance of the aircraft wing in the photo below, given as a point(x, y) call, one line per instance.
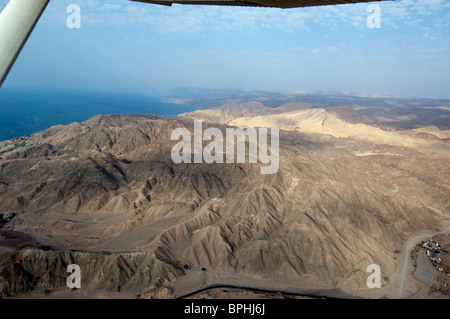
point(285, 4)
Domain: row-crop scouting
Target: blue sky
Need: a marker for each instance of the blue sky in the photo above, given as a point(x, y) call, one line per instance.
point(135, 47)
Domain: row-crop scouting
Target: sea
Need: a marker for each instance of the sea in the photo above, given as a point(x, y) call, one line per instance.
point(27, 111)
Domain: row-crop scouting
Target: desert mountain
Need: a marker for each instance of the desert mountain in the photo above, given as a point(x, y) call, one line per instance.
point(391, 111)
point(339, 122)
point(106, 195)
point(229, 112)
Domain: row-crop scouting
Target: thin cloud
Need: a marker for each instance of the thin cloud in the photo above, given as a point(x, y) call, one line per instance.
point(193, 19)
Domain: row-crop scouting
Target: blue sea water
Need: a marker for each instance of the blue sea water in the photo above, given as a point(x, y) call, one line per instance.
point(27, 111)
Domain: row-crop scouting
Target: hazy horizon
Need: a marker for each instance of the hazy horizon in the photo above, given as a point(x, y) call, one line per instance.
point(29, 110)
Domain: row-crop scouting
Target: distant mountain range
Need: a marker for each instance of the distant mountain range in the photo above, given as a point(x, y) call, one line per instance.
point(400, 112)
point(27, 111)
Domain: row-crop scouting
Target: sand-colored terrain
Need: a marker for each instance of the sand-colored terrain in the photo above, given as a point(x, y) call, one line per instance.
point(106, 195)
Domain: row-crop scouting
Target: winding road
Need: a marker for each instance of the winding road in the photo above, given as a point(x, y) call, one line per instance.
point(256, 290)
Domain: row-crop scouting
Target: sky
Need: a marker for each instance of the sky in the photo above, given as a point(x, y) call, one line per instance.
point(125, 46)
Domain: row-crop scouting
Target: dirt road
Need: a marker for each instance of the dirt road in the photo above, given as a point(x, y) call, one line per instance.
point(407, 265)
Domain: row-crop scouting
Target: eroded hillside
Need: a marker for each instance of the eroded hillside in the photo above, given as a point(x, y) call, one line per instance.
point(105, 194)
